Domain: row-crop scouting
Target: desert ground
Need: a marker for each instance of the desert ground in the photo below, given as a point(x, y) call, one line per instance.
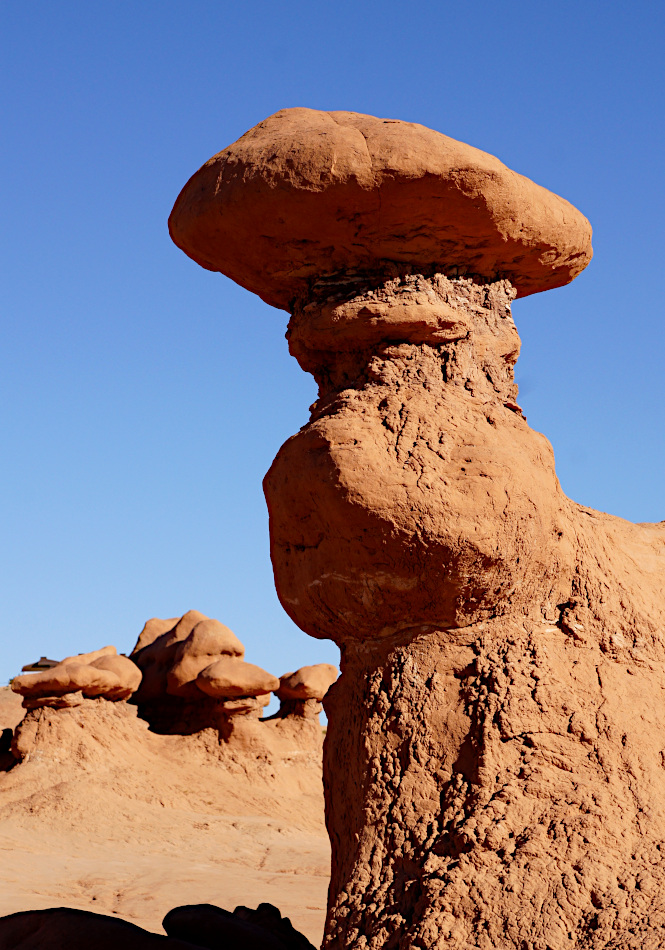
point(104, 815)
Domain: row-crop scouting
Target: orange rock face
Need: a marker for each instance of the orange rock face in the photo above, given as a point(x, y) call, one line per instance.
point(195, 678)
point(493, 761)
point(307, 195)
point(89, 675)
point(309, 682)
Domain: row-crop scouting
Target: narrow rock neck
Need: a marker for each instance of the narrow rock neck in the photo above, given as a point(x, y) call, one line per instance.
point(467, 326)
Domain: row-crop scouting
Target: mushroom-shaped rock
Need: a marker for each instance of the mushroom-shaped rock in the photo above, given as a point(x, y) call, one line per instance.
point(208, 641)
point(171, 654)
point(101, 673)
point(155, 651)
point(125, 669)
point(89, 657)
point(152, 630)
point(242, 706)
point(309, 682)
point(309, 197)
point(498, 727)
point(232, 678)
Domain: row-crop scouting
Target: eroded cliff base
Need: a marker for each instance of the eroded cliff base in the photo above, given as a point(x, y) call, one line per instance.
point(506, 788)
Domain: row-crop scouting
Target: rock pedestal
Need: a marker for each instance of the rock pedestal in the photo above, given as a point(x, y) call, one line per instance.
point(494, 757)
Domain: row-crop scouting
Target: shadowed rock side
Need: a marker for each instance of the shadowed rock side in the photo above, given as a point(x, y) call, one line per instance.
point(195, 678)
point(188, 927)
point(494, 762)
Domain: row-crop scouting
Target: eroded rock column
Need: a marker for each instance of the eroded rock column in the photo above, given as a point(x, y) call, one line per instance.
point(494, 762)
point(493, 766)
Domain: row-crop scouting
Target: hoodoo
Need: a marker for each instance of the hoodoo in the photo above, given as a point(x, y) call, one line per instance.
point(86, 676)
point(195, 677)
point(494, 757)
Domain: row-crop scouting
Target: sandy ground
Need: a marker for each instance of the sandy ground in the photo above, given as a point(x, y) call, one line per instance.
point(105, 816)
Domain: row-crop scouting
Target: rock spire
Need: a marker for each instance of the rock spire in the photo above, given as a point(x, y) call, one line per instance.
point(493, 761)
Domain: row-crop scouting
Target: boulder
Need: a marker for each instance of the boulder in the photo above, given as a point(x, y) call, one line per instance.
point(309, 682)
point(88, 675)
point(152, 630)
point(194, 678)
point(127, 672)
point(155, 651)
point(307, 196)
point(231, 678)
point(208, 641)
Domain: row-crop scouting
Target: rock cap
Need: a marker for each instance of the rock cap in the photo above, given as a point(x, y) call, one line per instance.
point(309, 682)
point(307, 196)
point(208, 641)
point(99, 674)
point(230, 678)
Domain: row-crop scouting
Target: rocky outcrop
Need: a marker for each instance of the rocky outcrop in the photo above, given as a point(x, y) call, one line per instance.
point(308, 196)
point(186, 675)
point(86, 676)
point(493, 762)
point(301, 693)
point(195, 677)
point(174, 655)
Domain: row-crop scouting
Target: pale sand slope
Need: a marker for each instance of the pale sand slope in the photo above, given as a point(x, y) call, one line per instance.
point(106, 816)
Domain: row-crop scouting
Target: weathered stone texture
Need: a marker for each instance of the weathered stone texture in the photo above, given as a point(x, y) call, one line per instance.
point(494, 763)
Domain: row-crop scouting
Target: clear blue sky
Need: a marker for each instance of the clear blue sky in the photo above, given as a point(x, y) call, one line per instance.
point(143, 398)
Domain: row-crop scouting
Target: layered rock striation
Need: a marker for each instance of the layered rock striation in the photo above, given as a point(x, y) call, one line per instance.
point(494, 757)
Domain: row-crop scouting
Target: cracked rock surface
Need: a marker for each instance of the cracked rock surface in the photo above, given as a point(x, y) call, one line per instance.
point(494, 758)
point(494, 762)
point(309, 194)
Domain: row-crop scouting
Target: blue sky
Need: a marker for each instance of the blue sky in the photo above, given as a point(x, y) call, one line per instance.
point(143, 398)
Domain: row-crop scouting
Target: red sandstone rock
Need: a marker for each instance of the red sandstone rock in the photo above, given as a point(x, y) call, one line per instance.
point(90, 657)
point(309, 682)
point(155, 651)
point(493, 761)
point(152, 630)
point(230, 678)
point(208, 641)
point(194, 678)
point(101, 673)
point(309, 195)
point(127, 672)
